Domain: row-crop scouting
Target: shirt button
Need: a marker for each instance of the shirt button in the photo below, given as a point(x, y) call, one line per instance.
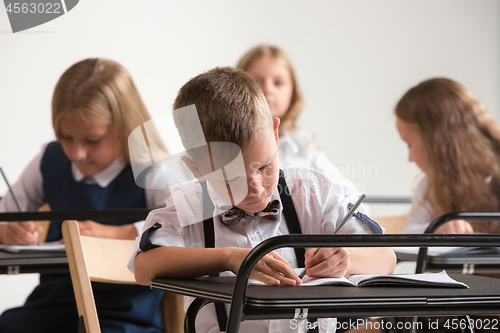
point(255, 238)
point(275, 326)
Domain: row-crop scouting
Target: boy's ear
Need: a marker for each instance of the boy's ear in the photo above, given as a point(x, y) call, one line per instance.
point(191, 164)
point(276, 125)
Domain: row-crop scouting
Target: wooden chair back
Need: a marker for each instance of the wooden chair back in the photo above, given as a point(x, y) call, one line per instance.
point(105, 260)
point(44, 224)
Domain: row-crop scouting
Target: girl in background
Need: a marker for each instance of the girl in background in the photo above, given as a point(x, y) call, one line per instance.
point(95, 107)
point(273, 71)
point(455, 142)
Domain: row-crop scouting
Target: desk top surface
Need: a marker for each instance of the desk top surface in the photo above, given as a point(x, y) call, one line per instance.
point(33, 262)
point(482, 292)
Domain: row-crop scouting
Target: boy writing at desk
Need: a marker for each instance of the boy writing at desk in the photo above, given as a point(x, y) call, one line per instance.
point(232, 109)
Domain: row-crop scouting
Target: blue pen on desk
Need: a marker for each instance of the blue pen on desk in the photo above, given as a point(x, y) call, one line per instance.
point(348, 216)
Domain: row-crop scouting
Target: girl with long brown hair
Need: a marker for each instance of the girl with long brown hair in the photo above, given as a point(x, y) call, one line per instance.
point(455, 142)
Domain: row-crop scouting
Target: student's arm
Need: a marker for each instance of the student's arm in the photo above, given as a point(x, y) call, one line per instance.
point(455, 227)
point(180, 262)
point(28, 189)
point(96, 229)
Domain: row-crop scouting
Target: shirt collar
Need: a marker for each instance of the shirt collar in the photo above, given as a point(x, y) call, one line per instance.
point(102, 178)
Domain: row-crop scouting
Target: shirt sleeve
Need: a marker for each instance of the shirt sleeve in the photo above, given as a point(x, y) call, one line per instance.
point(181, 206)
point(155, 198)
point(28, 189)
point(421, 213)
point(321, 203)
point(157, 192)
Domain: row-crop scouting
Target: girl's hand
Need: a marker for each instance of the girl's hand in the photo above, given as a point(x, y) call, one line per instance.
point(329, 262)
point(455, 227)
point(271, 269)
point(20, 233)
point(95, 229)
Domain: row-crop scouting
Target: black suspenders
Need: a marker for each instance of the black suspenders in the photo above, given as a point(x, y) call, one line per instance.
point(292, 222)
point(208, 230)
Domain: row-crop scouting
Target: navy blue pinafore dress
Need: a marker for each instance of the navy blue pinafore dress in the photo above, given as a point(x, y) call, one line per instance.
point(51, 307)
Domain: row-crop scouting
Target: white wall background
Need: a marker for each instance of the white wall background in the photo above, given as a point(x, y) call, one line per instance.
point(354, 59)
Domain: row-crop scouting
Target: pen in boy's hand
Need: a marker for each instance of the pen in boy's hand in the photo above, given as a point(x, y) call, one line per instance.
point(347, 217)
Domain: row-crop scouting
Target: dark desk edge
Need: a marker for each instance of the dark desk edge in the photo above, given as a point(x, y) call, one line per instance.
point(105, 214)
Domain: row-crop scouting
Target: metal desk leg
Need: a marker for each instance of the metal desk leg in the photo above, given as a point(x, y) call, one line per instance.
point(191, 313)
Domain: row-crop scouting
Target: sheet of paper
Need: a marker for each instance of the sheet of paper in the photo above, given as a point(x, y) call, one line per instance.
point(438, 278)
point(49, 246)
point(425, 279)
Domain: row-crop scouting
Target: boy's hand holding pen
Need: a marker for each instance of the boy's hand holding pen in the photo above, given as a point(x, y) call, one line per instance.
point(326, 262)
point(340, 255)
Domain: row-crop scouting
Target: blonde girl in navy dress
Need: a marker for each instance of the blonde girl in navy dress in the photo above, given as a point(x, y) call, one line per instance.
point(95, 106)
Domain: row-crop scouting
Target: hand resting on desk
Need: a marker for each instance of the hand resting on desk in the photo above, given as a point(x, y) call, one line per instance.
point(187, 263)
point(271, 269)
point(455, 227)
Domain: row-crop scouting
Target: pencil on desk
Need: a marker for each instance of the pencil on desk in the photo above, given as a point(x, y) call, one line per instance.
point(16, 200)
point(12, 192)
point(347, 217)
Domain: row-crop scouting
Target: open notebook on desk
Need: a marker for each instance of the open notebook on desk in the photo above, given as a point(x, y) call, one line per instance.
point(441, 280)
point(55, 246)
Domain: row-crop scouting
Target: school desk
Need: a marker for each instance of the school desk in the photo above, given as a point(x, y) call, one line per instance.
point(56, 262)
point(470, 264)
point(458, 263)
point(285, 302)
point(33, 262)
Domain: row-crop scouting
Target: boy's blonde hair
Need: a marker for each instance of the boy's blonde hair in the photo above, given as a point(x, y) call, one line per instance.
point(288, 121)
point(230, 107)
point(462, 143)
point(100, 89)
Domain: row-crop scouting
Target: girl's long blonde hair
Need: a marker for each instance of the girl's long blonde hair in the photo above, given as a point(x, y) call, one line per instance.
point(288, 121)
point(101, 89)
point(463, 147)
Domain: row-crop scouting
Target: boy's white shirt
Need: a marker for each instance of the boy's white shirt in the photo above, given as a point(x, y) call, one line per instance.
point(29, 187)
point(317, 198)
